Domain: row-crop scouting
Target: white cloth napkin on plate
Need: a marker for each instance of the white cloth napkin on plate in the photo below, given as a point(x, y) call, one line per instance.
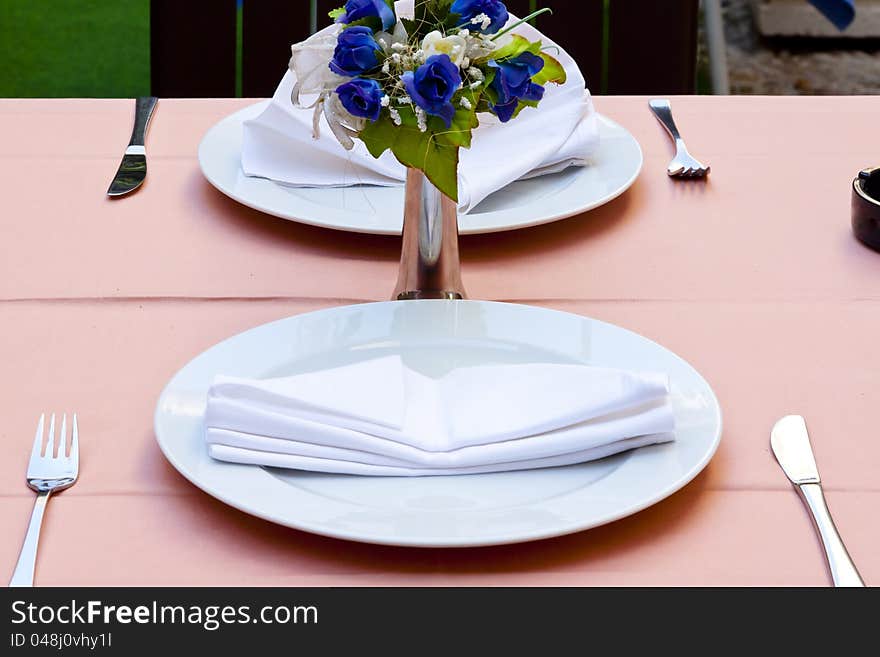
point(562, 132)
point(381, 417)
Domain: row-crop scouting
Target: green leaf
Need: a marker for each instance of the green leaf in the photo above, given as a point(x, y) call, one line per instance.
point(372, 22)
point(426, 151)
point(433, 10)
point(336, 13)
point(491, 95)
point(552, 71)
point(379, 136)
point(410, 26)
point(522, 105)
point(452, 21)
point(514, 48)
point(463, 123)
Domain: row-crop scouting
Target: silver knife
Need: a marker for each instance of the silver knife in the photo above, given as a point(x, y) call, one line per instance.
point(133, 169)
point(791, 446)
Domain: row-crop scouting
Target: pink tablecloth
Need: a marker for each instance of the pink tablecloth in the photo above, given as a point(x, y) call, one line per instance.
point(754, 278)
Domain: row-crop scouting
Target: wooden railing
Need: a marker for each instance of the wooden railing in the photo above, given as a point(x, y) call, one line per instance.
point(622, 46)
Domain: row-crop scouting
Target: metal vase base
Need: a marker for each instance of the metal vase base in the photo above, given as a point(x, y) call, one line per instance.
point(430, 267)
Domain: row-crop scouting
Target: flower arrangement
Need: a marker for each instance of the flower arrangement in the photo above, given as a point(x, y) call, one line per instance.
point(416, 84)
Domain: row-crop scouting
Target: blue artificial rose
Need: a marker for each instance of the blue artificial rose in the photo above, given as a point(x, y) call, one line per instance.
point(433, 85)
point(495, 10)
point(358, 9)
point(362, 97)
point(356, 52)
point(513, 83)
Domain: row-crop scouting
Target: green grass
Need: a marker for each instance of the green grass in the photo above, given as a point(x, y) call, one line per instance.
point(74, 48)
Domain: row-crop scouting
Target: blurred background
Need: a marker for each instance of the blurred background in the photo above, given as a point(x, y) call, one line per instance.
point(207, 48)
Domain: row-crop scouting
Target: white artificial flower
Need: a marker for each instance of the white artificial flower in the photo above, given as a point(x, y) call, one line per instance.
point(395, 116)
point(310, 63)
point(482, 20)
point(479, 46)
point(343, 124)
point(455, 46)
point(400, 32)
point(466, 103)
point(392, 40)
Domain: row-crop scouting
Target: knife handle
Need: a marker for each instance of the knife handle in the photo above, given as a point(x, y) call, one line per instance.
point(843, 570)
point(143, 111)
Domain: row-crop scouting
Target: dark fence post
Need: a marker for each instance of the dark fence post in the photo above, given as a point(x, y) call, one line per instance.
point(269, 27)
point(192, 48)
point(578, 28)
point(652, 47)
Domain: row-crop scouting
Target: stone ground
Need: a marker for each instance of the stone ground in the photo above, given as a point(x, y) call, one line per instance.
point(758, 66)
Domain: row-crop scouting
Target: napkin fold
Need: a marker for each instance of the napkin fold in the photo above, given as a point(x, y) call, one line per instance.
point(562, 132)
point(381, 417)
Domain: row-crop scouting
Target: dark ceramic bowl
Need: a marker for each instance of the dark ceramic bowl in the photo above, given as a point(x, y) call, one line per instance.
point(866, 208)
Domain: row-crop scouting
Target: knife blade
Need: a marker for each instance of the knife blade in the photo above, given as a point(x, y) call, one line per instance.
point(133, 169)
point(791, 446)
point(790, 443)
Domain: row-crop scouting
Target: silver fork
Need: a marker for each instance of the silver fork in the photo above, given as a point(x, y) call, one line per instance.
point(683, 165)
point(47, 473)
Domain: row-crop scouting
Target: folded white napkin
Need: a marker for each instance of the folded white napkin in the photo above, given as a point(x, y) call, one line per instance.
point(380, 417)
point(562, 132)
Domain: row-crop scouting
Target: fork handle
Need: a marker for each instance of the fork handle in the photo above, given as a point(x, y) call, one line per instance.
point(27, 560)
point(663, 111)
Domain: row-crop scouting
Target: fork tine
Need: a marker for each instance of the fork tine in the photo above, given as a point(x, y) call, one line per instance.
point(74, 443)
point(62, 437)
point(50, 441)
point(37, 449)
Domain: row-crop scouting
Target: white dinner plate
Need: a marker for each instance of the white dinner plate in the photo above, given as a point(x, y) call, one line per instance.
point(379, 210)
point(458, 511)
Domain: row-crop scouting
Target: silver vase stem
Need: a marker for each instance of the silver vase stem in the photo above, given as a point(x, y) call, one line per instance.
point(429, 265)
